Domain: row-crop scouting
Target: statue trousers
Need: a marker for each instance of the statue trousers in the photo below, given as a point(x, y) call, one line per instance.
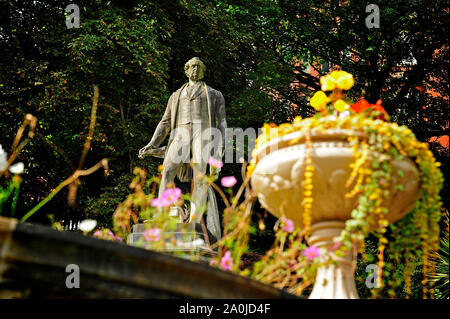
point(187, 145)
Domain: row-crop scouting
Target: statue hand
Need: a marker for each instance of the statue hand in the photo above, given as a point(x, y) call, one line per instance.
point(143, 151)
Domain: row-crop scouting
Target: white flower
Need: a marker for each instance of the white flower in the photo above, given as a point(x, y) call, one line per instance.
point(344, 114)
point(3, 158)
point(87, 225)
point(17, 168)
point(191, 244)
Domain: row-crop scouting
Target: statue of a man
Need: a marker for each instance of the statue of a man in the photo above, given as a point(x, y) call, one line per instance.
point(195, 119)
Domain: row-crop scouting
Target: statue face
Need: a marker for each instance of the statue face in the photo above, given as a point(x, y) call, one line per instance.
point(195, 72)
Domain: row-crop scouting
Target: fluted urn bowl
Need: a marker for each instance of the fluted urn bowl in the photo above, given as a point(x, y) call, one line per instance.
point(278, 181)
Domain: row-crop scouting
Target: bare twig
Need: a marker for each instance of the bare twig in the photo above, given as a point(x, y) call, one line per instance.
point(73, 181)
point(74, 177)
point(30, 121)
point(221, 193)
point(87, 143)
point(73, 187)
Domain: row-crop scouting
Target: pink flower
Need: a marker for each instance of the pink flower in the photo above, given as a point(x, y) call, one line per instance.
point(106, 234)
point(171, 194)
point(311, 252)
point(152, 234)
point(288, 225)
point(160, 202)
point(226, 263)
point(168, 197)
point(228, 181)
point(215, 163)
point(213, 262)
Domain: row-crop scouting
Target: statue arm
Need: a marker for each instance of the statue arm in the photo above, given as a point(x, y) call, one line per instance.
point(221, 120)
point(160, 133)
point(163, 127)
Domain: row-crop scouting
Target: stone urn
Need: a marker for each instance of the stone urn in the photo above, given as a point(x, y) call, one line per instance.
point(278, 182)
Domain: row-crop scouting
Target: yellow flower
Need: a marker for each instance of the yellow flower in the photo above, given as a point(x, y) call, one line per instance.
point(285, 128)
point(266, 128)
point(307, 193)
point(343, 80)
point(327, 83)
point(251, 168)
point(337, 80)
point(297, 120)
point(319, 100)
point(341, 105)
point(261, 225)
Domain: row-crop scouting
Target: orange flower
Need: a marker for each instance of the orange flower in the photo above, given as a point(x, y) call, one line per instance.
point(362, 105)
point(377, 107)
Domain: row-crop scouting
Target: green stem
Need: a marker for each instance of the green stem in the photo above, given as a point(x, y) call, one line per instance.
point(15, 198)
point(43, 202)
point(4, 197)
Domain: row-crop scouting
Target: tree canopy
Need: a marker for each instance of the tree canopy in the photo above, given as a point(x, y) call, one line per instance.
point(265, 56)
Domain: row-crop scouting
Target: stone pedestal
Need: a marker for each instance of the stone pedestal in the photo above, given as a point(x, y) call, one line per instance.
point(190, 239)
point(337, 280)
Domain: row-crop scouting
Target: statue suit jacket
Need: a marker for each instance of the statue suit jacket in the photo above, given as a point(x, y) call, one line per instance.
point(216, 112)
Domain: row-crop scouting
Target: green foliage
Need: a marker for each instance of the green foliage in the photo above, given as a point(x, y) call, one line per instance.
point(9, 195)
point(393, 274)
point(102, 207)
point(440, 278)
point(120, 49)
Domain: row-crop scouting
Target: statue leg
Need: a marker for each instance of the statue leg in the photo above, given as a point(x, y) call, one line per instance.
point(200, 190)
point(177, 155)
point(168, 176)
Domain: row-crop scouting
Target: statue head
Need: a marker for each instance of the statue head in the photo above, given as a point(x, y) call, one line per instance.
point(194, 69)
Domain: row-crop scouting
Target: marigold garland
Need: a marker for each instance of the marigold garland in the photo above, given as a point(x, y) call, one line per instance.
point(308, 187)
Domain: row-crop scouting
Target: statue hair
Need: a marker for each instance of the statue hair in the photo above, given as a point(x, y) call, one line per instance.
point(202, 66)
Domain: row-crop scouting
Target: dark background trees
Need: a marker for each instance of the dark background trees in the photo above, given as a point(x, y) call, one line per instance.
point(265, 57)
